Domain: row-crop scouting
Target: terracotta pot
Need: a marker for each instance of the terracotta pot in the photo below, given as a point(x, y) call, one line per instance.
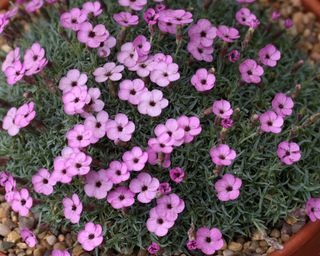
point(313, 6)
point(4, 4)
point(305, 243)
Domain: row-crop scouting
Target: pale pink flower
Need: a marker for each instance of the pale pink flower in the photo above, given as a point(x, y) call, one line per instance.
point(288, 152)
point(109, 71)
point(126, 19)
point(8, 123)
point(203, 80)
point(72, 208)
point(135, 159)
point(172, 128)
point(75, 100)
point(97, 125)
point(228, 187)
point(117, 172)
point(130, 90)
point(97, 184)
point(145, 186)
point(222, 109)
point(72, 79)
point(73, 19)
point(12, 57)
point(121, 197)
point(152, 102)
point(25, 114)
point(227, 34)
point(93, 8)
point(222, 155)
point(79, 136)
point(14, 73)
point(282, 104)
point(158, 224)
point(21, 202)
point(250, 71)
point(191, 126)
point(269, 55)
point(42, 182)
point(120, 129)
point(128, 55)
point(92, 36)
point(91, 236)
point(163, 74)
point(271, 122)
point(105, 47)
point(136, 5)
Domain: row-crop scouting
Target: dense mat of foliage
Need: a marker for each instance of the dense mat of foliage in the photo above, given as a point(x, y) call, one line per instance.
point(270, 191)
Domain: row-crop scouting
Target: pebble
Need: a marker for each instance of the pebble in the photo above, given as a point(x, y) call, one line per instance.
point(26, 222)
point(13, 237)
point(236, 247)
point(4, 230)
point(22, 245)
point(77, 250)
point(228, 253)
point(51, 239)
point(38, 252)
point(285, 237)
point(275, 233)
point(258, 235)
point(59, 246)
point(61, 238)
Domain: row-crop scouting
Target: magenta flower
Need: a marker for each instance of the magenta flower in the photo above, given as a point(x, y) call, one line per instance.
point(250, 71)
point(245, 1)
point(153, 248)
point(4, 21)
point(271, 122)
point(245, 17)
point(92, 36)
point(145, 186)
point(91, 236)
point(60, 253)
point(14, 73)
point(228, 187)
point(269, 55)
point(143, 46)
point(34, 5)
point(209, 240)
point(109, 71)
point(150, 16)
point(165, 25)
point(227, 123)
point(164, 188)
point(9, 124)
point(93, 8)
point(275, 15)
point(222, 109)
point(288, 152)
point(121, 197)
point(105, 47)
point(135, 159)
point(200, 52)
point(61, 172)
point(97, 184)
point(130, 90)
point(25, 114)
point(163, 144)
point(73, 19)
point(126, 19)
point(10, 189)
point(79, 163)
point(163, 74)
point(97, 125)
point(227, 34)
point(288, 23)
point(203, 80)
point(42, 182)
point(313, 209)
point(154, 158)
point(170, 206)
point(73, 79)
point(34, 59)
point(72, 208)
point(203, 32)
point(191, 126)
point(128, 55)
point(234, 56)
point(79, 136)
point(120, 129)
point(28, 237)
point(158, 224)
point(75, 100)
point(282, 104)
point(177, 17)
point(152, 102)
point(12, 57)
point(117, 172)
point(192, 245)
point(222, 155)
point(21, 202)
point(136, 5)
point(177, 174)
point(4, 178)
point(172, 128)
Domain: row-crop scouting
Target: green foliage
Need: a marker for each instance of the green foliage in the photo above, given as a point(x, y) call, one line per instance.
point(270, 191)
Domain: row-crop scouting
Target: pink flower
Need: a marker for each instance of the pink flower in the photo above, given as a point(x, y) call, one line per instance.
point(79, 163)
point(245, 1)
point(60, 253)
point(128, 55)
point(97, 125)
point(282, 104)
point(12, 57)
point(143, 46)
point(121, 197)
point(126, 19)
point(92, 7)
point(163, 74)
point(73, 19)
point(10, 189)
point(191, 245)
point(313, 209)
point(73, 79)
point(153, 248)
point(34, 5)
point(61, 172)
point(92, 36)
point(120, 129)
point(288, 23)
point(209, 240)
point(34, 59)
point(4, 178)
point(245, 17)
point(222, 155)
point(288, 152)
point(203, 32)
point(227, 34)
point(222, 109)
point(250, 71)
point(91, 236)
point(135, 159)
point(75, 100)
point(42, 182)
point(145, 186)
point(275, 15)
point(97, 184)
point(170, 206)
point(227, 123)
point(234, 56)
point(144, 68)
point(155, 158)
point(14, 73)
point(95, 104)
point(4, 21)
point(163, 144)
point(203, 80)
point(72, 208)
point(172, 128)
point(271, 122)
point(164, 188)
point(136, 5)
point(21, 202)
point(165, 25)
point(109, 71)
point(117, 172)
point(152, 102)
point(158, 224)
point(25, 114)
point(177, 17)
point(105, 47)
point(8, 123)
point(200, 52)
point(269, 55)
point(79, 136)
point(191, 126)
point(150, 16)
point(177, 174)
point(28, 237)
point(131, 90)
point(228, 187)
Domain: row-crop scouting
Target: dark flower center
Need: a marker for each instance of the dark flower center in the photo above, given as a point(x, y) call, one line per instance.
point(152, 103)
point(98, 184)
point(92, 34)
point(98, 125)
point(281, 106)
point(45, 181)
point(200, 50)
point(203, 81)
point(222, 157)
point(165, 74)
point(169, 206)
point(74, 83)
point(74, 207)
point(79, 137)
point(64, 171)
point(229, 188)
point(121, 197)
point(208, 239)
point(120, 128)
point(78, 165)
point(35, 57)
point(187, 128)
point(287, 153)
point(136, 160)
point(221, 111)
point(144, 188)
point(203, 34)
point(118, 172)
point(160, 221)
point(133, 92)
point(162, 145)
point(269, 123)
point(23, 202)
point(76, 100)
point(74, 21)
point(249, 72)
point(91, 236)
point(267, 56)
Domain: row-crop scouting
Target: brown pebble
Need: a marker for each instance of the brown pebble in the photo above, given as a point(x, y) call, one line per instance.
point(263, 244)
point(61, 238)
point(270, 250)
point(225, 245)
point(285, 237)
point(59, 246)
point(275, 233)
point(22, 245)
point(13, 237)
point(236, 247)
